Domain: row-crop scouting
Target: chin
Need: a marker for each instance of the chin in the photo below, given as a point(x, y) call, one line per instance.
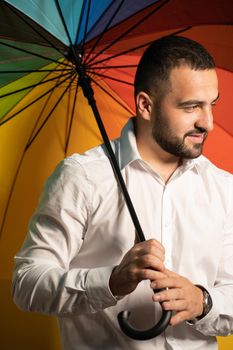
point(194, 154)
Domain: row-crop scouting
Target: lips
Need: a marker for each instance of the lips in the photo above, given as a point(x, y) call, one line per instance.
point(196, 138)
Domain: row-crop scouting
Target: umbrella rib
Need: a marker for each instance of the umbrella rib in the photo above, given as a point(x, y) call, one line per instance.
point(14, 181)
point(113, 67)
point(34, 101)
point(129, 30)
point(10, 194)
point(18, 13)
point(105, 29)
point(50, 113)
point(135, 48)
point(71, 119)
point(111, 78)
point(86, 24)
point(63, 21)
point(42, 110)
point(79, 24)
point(33, 53)
point(121, 53)
point(76, 58)
point(34, 70)
point(109, 94)
point(32, 86)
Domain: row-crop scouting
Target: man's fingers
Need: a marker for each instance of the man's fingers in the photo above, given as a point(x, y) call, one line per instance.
point(141, 262)
point(178, 294)
point(168, 294)
point(179, 317)
point(175, 305)
point(151, 247)
point(151, 262)
point(169, 282)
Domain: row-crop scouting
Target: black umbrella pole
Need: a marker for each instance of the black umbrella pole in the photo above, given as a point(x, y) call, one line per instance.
point(123, 317)
point(88, 93)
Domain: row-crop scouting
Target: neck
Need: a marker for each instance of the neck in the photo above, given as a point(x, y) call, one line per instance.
point(162, 165)
point(162, 162)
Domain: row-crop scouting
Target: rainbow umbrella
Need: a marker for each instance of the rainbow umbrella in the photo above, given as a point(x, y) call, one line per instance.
point(44, 115)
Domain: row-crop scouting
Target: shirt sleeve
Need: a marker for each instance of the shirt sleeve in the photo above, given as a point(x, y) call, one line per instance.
point(43, 280)
point(219, 321)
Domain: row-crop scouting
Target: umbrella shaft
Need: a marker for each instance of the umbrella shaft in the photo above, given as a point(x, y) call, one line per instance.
point(88, 93)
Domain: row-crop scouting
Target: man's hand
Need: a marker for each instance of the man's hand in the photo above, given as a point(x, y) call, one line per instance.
point(145, 261)
point(183, 297)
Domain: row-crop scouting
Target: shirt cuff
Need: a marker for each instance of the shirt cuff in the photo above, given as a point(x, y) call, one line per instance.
point(97, 288)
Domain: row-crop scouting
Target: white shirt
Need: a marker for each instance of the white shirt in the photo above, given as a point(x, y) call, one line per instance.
point(82, 229)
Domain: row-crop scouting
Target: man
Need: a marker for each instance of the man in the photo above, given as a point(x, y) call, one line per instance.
point(81, 261)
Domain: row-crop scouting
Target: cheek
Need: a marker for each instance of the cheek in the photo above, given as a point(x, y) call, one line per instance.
point(181, 123)
point(178, 125)
point(176, 121)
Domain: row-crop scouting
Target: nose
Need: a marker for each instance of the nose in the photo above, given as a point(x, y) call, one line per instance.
point(206, 120)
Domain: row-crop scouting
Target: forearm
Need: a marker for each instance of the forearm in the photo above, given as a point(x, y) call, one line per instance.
point(45, 288)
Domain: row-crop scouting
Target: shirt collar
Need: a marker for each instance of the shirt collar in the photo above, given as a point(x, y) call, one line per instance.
point(129, 152)
point(128, 146)
point(189, 163)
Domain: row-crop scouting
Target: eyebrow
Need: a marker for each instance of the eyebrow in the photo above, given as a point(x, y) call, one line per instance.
point(194, 102)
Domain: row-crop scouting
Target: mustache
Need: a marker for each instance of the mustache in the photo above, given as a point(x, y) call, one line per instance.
point(198, 130)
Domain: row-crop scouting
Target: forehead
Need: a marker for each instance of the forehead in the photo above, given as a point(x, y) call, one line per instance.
point(184, 80)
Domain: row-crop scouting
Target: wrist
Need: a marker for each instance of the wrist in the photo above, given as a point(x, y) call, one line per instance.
point(206, 303)
point(112, 285)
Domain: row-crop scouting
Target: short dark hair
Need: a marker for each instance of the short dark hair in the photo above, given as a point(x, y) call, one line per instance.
point(162, 56)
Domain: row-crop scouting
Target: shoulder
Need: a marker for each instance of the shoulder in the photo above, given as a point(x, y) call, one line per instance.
point(206, 167)
point(74, 178)
point(91, 167)
point(217, 181)
point(90, 159)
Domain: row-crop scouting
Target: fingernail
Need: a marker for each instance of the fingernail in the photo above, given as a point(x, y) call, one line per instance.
point(153, 285)
point(156, 297)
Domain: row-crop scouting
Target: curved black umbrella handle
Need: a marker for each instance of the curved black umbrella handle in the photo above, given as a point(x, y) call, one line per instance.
point(134, 333)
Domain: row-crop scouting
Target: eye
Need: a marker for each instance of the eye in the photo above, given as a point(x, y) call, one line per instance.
point(190, 108)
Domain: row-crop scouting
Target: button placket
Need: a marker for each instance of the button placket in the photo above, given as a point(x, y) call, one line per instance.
point(166, 227)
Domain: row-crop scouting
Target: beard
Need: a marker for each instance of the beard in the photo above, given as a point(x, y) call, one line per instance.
point(171, 143)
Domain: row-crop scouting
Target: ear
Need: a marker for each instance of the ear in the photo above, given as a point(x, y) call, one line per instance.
point(144, 105)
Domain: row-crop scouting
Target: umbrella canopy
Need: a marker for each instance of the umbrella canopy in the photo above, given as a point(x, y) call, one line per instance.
point(44, 115)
